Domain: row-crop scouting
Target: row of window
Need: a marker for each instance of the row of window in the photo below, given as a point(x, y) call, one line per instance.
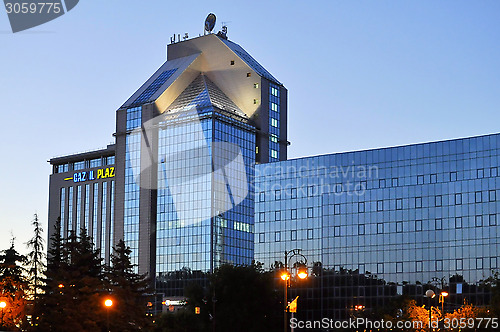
point(438, 224)
point(83, 164)
point(282, 215)
point(307, 235)
point(381, 205)
point(438, 265)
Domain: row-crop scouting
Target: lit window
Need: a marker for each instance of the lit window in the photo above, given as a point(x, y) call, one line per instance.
point(256, 85)
point(274, 154)
point(274, 122)
point(249, 74)
point(273, 138)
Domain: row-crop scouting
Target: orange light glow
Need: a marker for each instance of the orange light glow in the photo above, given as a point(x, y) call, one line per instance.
point(445, 294)
point(285, 276)
point(61, 286)
point(3, 304)
point(108, 303)
point(302, 273)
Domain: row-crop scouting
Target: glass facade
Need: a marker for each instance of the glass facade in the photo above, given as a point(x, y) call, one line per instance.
point(132, 183)
point(405, 215)
point(274, 123)
point(104, 204)
point(202, 221)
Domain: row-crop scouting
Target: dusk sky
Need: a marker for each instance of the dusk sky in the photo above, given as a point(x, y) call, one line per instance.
point(359, 74)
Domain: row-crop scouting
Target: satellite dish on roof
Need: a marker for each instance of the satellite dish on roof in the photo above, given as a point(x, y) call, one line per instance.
point(210, 22)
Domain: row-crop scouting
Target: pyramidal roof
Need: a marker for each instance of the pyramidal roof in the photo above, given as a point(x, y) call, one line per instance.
point(237, 77)
point(203, 94)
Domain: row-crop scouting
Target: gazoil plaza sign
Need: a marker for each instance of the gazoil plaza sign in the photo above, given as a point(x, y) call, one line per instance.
point(102, 173)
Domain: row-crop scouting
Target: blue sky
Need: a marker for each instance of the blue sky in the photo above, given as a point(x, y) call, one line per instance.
point(360, 74)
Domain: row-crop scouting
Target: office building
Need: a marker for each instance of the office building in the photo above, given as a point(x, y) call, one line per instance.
point(199, 176)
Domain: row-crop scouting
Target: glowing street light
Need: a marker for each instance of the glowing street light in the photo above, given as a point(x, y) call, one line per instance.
point(3, 304)
point(108, 303)
point(286, 276)
point(430, 294)
point(441, 300)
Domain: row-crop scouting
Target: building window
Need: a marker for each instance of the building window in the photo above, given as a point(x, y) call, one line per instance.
point(381, 183)
point(492, 195)
point(480, 173)
point(479, 221)
point(310, 212)
point(419, 266)
point(395, 182)
point(458, 222)
point(336, 209)
point(380, 205)
point(256, 85)
point(479, 263)
point(277, 216)
point(249, 74)
point(438, 224)
point(293, 214)
point(493, 262)
point(418, 225)
point(262, 216)
point(458, 199)
point(479, 196)
point(293, 193)
point(418, 202)
point(439, 265)
point(274, 107)
point(434, 178)
point(277, 236)
point(274, 122)
point(493, 219)
point(459, 264)
point(420, 179)
point(380, 228)
point(273, 138)
point(310, 234)
point(277, 194)
point(336, 231)
point(493, 172)
point(293, 235)
point(361, 207)
point(453, 176)
point(262, 237)
point(232, 62)
point(399, 227)
point(361, 229)
point(274, 154)
point(399, 204)
point(262, 196)
point(380, 267)
point(399, 267)
point(439, 200)
point(310, 191)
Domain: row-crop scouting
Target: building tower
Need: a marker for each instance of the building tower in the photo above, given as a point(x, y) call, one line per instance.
point(186, 144)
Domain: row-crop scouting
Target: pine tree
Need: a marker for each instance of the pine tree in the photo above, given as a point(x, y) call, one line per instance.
point(36, 258)
point(75, 288)
point(128, 292)
point(13, 288)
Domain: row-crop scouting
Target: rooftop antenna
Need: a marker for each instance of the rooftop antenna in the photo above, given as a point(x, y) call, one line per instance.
point(209, 23)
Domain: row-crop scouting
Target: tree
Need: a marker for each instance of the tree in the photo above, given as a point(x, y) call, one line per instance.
point(127, 290)
point(75, 288)
point(36, 267)
point(13, 288)
point(36, 258)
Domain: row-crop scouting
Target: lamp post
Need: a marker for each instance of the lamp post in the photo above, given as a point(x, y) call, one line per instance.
point(441, 300)
point(286, 277)
point(430, 294)
point(108, 303)
point(3, 304)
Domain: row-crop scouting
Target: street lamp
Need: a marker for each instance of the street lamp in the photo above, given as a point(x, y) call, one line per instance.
point(3, 304)
point(430, 294)
point(108, 303)
point(441, 300)
point(286, 276)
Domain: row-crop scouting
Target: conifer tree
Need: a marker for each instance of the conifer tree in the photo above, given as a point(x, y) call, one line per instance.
point(13, 288)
